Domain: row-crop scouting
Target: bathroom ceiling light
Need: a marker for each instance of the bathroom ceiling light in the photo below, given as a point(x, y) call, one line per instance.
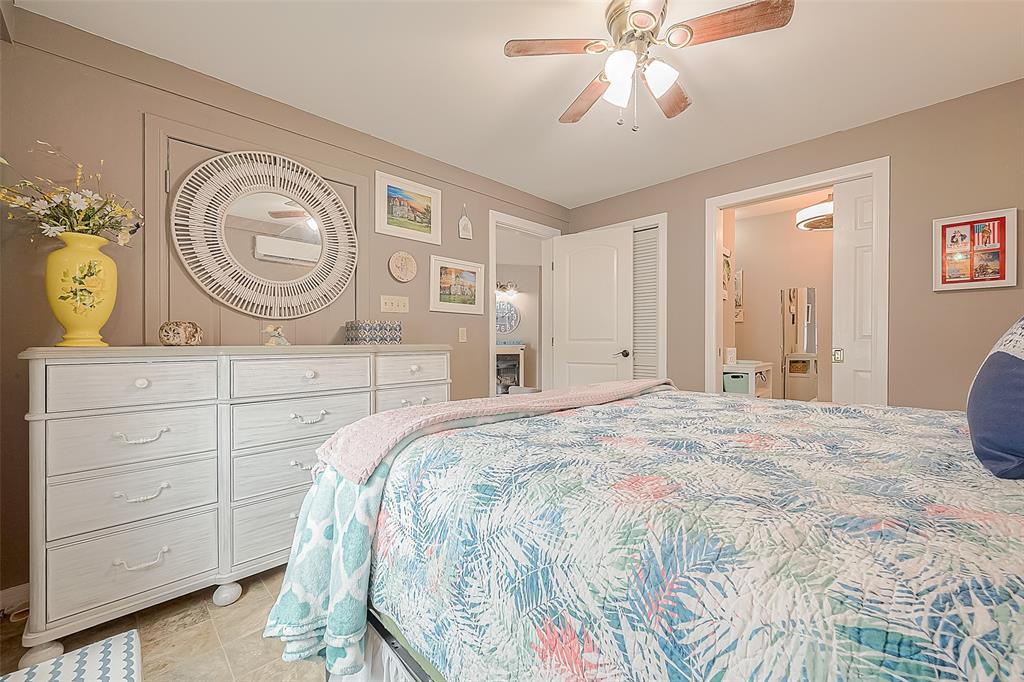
point(816, 217)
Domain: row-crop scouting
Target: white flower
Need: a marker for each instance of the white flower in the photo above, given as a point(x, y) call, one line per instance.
point(77, 201)
point(39, 206)
point(89, 194)
point(20, 202)
point(123, 237)
point(51, 230)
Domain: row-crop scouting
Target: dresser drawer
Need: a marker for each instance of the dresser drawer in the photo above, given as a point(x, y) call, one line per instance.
point(269, 472)
point(283, 420)
point(430, 394)
point(84, 443)
point(251, 378)
point(94, 572)
point(264, 527)
point(402, 368)
point(122, 384)
point(104, 501)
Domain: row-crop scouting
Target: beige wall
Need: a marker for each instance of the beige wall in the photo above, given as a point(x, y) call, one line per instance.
point(90, 97)
point(528, 301)
point(774, 255)
point(956, 157)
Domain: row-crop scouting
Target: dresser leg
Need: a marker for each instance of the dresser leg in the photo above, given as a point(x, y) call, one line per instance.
point(227, 593)
point(40, 653)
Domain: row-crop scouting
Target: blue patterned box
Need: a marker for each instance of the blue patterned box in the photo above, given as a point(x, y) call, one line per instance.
point(372, 332)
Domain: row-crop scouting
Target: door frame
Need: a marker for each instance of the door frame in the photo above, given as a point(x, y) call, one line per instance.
point(878, 170)
point(505, 221)
point(659, 221)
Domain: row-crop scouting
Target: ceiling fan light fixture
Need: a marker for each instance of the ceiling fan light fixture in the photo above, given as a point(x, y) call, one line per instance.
point(618, 93)
point(678, 35)
point(660, 77)
point(816, 217)
point(620, 66)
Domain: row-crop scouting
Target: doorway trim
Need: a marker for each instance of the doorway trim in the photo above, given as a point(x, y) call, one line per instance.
point(659, 221)
point(498, 219)
point(878, 170)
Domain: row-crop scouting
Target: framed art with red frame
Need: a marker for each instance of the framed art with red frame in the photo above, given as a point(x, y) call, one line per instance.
point(976, 251)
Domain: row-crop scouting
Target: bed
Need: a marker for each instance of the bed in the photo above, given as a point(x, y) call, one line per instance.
point(672, 536)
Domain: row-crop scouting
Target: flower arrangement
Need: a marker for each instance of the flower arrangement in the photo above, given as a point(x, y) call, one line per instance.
point(57, 208)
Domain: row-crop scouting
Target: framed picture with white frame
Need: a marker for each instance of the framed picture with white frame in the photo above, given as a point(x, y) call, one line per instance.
point(407, 209)
point(975, 251)
point(456, 286)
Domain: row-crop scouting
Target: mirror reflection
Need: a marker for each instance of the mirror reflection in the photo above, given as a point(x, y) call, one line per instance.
point(272, 236)
point(800, 343)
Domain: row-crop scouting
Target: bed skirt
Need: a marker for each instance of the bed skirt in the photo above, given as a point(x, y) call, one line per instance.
point(381, 664)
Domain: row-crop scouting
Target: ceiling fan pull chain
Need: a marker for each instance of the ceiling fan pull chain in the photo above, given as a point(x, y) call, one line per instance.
point(621, 120)
point(636, 125)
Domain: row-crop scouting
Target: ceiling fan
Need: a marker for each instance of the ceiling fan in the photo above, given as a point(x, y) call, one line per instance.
point(633, 26)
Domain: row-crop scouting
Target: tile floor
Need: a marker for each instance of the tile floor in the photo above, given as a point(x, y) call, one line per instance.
point(190, 639)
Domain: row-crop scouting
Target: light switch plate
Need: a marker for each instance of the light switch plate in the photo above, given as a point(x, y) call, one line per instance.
point(462, 335)
point(394, 304)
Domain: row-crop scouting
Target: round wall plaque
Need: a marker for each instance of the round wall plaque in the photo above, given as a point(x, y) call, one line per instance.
point(402, 266)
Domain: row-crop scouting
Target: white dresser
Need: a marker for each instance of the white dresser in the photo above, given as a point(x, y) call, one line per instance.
point(157, 471)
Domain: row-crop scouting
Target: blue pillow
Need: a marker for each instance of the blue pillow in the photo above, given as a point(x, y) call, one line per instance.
point(995, 406)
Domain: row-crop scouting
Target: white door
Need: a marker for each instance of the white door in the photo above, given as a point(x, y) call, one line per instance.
point(854, 318)
point(593, 306)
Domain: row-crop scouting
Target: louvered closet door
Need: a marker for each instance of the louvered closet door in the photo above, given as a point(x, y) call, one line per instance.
point(645, 304)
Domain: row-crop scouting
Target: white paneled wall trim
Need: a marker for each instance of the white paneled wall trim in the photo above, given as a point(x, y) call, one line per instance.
point(157, 471)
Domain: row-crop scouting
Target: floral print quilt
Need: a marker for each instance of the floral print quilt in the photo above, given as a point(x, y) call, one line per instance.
point(685, 536)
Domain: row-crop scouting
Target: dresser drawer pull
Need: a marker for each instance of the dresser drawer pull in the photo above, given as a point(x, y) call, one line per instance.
point(413, 369)
point(310, 420)
point(142, 382)
point(406, 403)
point(296, 463)
point(149, 564)
point(145, 498)
point(293, 515)
point(142, 441)
point(424, 400)
point(310, 374)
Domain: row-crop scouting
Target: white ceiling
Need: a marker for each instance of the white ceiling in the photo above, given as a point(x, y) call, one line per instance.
point(783, 204)
point(431, 76)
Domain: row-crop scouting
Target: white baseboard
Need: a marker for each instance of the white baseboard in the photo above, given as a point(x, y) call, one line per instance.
point(14, 597)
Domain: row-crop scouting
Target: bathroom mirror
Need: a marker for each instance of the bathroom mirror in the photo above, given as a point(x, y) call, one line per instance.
point(799, 343)
point(264, 234)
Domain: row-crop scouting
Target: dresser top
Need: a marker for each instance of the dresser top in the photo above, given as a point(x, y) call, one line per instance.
point(54, 353)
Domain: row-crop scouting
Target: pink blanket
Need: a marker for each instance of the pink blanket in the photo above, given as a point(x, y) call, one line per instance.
point(356, 450)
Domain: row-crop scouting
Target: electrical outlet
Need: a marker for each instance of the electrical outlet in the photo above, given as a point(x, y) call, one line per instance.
point(462, 335)
point(394, 304)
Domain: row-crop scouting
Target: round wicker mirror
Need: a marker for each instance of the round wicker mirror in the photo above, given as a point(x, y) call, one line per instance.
point(264, 234)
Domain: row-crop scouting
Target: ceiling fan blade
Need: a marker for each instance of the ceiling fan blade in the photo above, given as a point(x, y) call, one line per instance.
point(673, 101)
point(534, 48)
point(761, 15)
point(582, 104)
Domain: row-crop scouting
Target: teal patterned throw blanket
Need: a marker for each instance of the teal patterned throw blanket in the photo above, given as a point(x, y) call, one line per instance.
point(672, 536)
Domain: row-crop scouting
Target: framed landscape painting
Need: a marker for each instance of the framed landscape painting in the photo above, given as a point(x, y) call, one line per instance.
point(975, 251)
point(407, 209)
point(456, 286)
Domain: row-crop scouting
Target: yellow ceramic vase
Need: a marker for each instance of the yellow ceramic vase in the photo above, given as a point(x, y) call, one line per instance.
point(81, 285)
